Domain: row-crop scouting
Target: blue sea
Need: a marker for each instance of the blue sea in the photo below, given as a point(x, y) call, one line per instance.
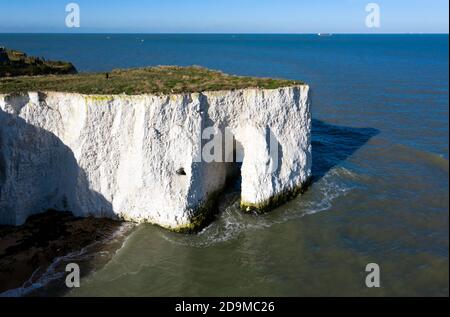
point(380, 162)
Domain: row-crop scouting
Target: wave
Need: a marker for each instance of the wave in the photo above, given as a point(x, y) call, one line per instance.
point(56, 270)
point(232, 221)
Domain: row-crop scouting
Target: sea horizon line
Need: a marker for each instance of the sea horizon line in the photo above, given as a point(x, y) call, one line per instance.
point(226, 33)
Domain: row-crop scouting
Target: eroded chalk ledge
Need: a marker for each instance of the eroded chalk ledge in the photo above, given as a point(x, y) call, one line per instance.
point(208, 211)
point(202, 217)
point(276, 200)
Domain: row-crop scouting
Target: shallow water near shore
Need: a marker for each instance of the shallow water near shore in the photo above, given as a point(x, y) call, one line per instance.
point(381, 171)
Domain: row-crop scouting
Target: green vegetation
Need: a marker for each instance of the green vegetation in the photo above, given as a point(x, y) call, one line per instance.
point(155, 80)
point(14, 63)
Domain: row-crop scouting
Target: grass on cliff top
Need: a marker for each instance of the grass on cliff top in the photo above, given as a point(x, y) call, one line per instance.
point(155, 80)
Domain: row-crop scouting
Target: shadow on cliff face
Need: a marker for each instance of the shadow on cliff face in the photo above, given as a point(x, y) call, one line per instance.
point(39, 172)
point(332, 144)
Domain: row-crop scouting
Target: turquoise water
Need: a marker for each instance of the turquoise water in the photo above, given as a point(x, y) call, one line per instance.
point(381, 171)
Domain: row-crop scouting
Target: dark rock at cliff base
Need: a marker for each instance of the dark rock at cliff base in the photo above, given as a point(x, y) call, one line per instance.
point(29, 250)
point(15, 63)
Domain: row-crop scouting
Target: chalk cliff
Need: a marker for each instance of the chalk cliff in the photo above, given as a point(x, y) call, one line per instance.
point(140, 157)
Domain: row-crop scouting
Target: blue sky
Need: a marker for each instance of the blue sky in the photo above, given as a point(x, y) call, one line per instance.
point(225, 16)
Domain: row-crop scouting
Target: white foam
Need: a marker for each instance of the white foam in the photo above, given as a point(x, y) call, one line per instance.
point(232, 222)
point(55, 272)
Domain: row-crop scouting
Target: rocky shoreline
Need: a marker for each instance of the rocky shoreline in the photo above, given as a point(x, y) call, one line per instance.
point(27, 251)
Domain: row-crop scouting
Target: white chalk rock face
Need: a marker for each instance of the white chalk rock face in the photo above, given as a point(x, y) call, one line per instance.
point(150, 158)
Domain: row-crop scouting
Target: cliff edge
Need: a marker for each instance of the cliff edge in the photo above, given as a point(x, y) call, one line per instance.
point(151, 158)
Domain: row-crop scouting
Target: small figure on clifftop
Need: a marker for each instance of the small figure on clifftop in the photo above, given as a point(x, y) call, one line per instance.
point(3, 55)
